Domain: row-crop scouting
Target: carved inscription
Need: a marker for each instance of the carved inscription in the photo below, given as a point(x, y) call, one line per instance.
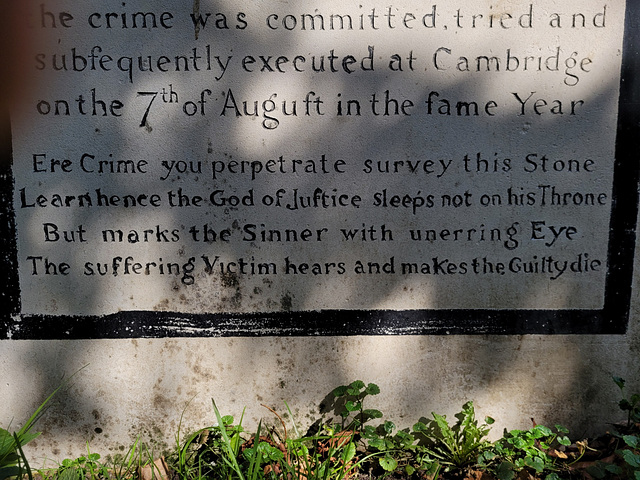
point(289, 156)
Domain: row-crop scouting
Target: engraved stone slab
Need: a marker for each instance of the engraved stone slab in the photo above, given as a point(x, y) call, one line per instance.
point(404, 168)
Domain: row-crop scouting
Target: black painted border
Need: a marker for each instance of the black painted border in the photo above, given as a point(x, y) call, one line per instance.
point(612, 319)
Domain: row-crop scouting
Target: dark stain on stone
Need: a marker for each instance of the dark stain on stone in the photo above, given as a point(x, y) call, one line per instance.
point(161, 402)
point(286, 302)
point(229, 279)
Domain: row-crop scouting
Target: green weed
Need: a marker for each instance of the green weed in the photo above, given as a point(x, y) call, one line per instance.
point(13, 462)
point(457, 446)
point(629, 451)
point(358, 440)
point(86, 467)
point(529, 450)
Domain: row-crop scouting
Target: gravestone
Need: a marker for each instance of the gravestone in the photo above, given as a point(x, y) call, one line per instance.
point(290, 169)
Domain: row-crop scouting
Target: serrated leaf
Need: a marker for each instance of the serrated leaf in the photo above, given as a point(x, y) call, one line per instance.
point(372, 389)
point(340, 391)
point(419, 427)
point(562, 429)
point(520, 443)
point(489, 420)
point(631, 458)
point(359, 384)
point(631, 440)
point(596, 471)
point(409, 470)
point(615, 469)
point(355, 387)
point(489, 455)
point(534, 462)
point(389, 427)
point(564, 441)
point(405, 437)
point(352, 406)
point(377, 443)
point(388, 463)
point(552, 476)
point(541, 431)
point(372, 413)
point(69, 474)
point(369, 431)
point(445, 429)
point(227, 420)
point(505, 471)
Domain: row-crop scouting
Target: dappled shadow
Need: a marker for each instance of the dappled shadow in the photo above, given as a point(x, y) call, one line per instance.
point(415, 373)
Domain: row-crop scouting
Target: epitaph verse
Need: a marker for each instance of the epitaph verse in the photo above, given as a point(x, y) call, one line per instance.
point(281, 156)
